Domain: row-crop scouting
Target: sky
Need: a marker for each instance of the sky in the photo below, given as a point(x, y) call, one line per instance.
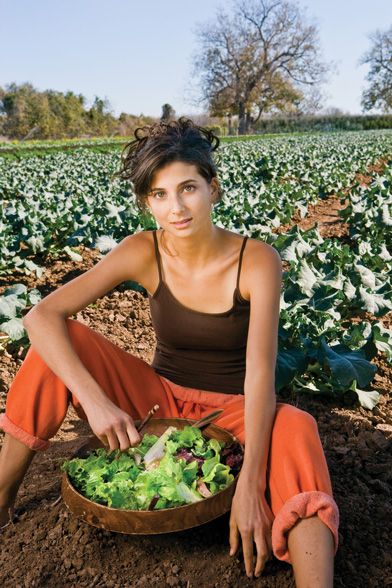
point(139, 54)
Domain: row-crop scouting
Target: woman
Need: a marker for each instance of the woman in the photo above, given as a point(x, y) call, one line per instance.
point(214, 299)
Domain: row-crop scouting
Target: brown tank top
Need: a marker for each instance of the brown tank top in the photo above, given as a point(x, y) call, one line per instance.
point(197, 349)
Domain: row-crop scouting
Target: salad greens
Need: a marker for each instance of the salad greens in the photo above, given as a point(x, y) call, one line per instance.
point(181, 467)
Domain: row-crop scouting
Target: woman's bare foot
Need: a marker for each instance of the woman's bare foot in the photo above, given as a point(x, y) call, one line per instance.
point(15, 459)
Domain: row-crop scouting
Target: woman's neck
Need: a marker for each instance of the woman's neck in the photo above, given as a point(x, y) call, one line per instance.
point(197, 250)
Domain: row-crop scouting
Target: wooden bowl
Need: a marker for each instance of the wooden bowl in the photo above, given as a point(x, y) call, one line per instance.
point(154, 522)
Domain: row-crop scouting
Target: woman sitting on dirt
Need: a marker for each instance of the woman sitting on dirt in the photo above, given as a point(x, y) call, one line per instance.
point(213, 350)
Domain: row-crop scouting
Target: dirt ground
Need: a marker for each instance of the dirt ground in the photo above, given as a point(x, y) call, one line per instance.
point(48, 547)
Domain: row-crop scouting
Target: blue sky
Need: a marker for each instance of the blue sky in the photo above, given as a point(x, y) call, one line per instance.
point(138, 54)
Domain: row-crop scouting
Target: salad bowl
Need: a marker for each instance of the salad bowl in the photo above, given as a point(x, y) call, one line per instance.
point(152, 522)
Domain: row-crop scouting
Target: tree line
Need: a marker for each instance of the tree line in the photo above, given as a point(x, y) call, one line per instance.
point(27, 113)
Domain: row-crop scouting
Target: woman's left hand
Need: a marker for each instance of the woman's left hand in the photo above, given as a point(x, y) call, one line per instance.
point(251, 518)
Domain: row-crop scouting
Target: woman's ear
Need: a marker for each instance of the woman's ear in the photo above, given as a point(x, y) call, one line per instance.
point(148, 207)
point(215, 190)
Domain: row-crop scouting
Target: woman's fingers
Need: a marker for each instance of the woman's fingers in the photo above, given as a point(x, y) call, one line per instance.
point(103, 440)
point(263, 545)
point(250, 529)
point(263, 553)
point(247, 548)
point(234, 533)
point(113, 440)
point(133, 435)
point(123, 438)
point(120, 438)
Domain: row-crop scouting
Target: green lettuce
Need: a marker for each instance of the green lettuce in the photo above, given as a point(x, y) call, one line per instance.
point(121, 480)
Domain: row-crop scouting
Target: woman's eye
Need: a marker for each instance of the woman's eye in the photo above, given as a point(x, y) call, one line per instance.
point(159, 193)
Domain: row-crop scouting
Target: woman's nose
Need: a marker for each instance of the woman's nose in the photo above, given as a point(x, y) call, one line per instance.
point(177, 204)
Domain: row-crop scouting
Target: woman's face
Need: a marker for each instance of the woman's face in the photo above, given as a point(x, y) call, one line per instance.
point(179, 192)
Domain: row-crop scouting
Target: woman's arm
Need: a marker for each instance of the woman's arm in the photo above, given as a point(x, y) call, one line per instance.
point(251, 515)
point(48, 333)
point(264, 278)
point(45, 323)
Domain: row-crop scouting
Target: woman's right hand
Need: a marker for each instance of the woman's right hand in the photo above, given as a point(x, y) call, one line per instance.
point(114, 427)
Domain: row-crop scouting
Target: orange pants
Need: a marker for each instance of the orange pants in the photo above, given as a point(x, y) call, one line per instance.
point(298, 482)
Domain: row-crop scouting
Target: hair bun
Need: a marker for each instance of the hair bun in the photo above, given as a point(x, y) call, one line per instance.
point(136, 133)
point(173, 127)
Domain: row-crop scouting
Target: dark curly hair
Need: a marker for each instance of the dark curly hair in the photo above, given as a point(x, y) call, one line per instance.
point(164, 142)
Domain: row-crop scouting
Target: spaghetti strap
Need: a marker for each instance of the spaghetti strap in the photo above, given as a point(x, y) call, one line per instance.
point(240, 260)
point(157, 255)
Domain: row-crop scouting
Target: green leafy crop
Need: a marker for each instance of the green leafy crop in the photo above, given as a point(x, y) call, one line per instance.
point(192, 468)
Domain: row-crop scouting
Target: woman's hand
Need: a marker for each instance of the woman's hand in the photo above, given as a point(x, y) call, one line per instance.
point(251, 517)
point(113, 426)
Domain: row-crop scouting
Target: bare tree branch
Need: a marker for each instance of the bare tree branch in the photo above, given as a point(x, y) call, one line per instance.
point(258, 59)
point(379, 58)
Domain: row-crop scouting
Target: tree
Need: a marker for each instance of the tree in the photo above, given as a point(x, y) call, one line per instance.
point(25, 109)
point(100, 119)
point(263, 58)
point(27, 112)
point(379, 57)
point(168, 112)
point(68, 114)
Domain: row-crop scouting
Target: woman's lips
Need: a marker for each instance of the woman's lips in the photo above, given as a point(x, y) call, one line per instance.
point(182, 223)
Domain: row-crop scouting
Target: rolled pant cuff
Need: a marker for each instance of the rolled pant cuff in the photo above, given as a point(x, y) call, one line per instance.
point(303, 505)
point(32, 442)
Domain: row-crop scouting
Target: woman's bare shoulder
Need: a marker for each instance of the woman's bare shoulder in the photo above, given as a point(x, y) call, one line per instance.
point(260, 248)
point(255, 248)
point(138, 252)
point(128, 260)
point(142, 239)
point(259, 259)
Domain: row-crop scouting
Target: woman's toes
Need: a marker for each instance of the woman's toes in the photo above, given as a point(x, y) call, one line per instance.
point(6, 516)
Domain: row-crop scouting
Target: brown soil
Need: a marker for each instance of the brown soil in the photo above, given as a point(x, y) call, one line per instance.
point(324, 214)
point(49, 547)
